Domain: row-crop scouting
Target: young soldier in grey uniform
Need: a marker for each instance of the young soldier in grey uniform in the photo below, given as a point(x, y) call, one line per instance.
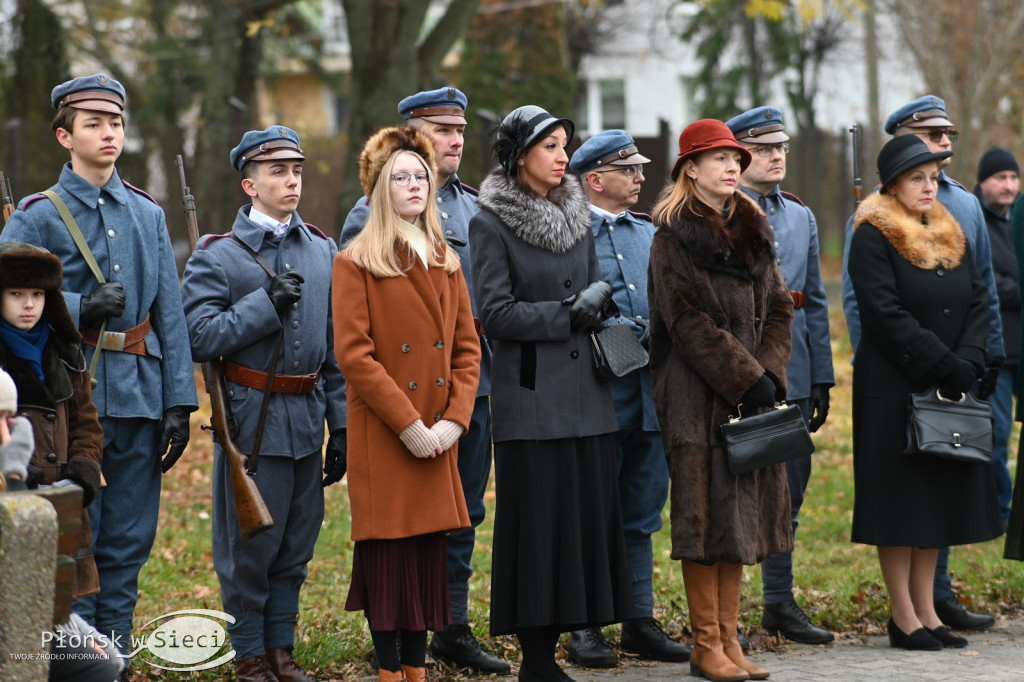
point(611, 169)
point(237, 310)
point(926, 118)
point(145, 386)
point(441, 114)
point(809, 372)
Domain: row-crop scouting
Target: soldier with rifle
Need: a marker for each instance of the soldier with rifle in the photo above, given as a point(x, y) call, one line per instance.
point(121, 289)
point(259, 299)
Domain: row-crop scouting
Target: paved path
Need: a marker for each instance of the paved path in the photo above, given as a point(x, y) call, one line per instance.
point(997, 654)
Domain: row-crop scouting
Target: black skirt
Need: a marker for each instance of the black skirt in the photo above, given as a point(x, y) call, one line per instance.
point(401, 584)
point(559, 550)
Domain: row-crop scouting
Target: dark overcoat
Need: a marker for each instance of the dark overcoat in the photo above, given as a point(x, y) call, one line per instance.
point(920, 296)
point(720, 319)
point(409, 350)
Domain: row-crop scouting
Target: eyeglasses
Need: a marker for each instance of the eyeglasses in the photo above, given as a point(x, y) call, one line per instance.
point(935, 136)
point(402, 179)
point(769, 149)
point(630, 171)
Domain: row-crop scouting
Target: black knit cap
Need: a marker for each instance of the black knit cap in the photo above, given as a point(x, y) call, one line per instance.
point(996, 160)
point(902, 153)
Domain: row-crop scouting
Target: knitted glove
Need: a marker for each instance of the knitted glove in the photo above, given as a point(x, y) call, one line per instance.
point(448, 432)
point(16, 453)
point(421, 441)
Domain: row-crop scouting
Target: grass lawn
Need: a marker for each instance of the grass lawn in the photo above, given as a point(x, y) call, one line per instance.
point(838, 583)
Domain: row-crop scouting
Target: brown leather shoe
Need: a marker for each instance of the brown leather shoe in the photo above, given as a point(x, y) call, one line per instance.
point(285, 668)
point(414, 674)
point(253, 670)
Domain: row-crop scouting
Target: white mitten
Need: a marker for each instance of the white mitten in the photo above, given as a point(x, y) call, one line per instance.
point(448, 432)
point(420, 440)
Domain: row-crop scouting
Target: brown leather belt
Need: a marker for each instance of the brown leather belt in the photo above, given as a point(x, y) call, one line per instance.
point(283, 383)
point(799, 299)
point(129, 341)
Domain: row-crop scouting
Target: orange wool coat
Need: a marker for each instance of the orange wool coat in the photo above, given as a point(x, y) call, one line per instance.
point(409, 350)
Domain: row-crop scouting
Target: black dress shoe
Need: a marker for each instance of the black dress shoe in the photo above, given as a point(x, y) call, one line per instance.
point(590, 649)
point(789, 620)
point(644, 637)
point(457, 645)
point(918, 640)
point(954, 615)
point(744, 642)
point(948, 639)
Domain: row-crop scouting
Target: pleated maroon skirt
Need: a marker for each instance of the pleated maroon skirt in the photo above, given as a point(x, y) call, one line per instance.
point(401, 584)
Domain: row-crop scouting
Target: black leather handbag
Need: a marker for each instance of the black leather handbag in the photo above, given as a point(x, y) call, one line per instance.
point(617, 352)
point(761, 440)
point(952, 429)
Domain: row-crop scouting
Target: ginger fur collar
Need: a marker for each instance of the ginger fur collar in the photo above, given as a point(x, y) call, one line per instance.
point(939, 242)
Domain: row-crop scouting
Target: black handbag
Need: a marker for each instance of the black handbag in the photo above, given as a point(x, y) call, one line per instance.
point(617, 352)
point(952, 429)
point(761, 440)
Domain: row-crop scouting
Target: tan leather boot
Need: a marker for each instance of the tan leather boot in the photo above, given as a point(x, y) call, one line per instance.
point(415, 674)
point(388, 676)
point(708, 659)
point(285, 668)
point(253, 670)
point(730, 585)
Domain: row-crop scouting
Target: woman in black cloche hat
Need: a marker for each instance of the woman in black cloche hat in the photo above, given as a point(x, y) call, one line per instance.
point(924, 310)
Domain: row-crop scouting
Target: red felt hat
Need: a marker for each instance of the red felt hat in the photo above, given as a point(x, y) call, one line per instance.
point(705, 134)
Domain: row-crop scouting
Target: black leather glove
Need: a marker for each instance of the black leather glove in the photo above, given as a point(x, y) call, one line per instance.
point(958, 380)
point(336, 458)
point(819, 406)
point(987, 383)
point(286, 289)
point(173, 436)
point(106, 300)
point(761, 394)
point(86, 475)
point(586, 312)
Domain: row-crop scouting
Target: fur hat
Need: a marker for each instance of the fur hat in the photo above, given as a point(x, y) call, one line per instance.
point(385, 142)
point(24, 266)
point(705, 134)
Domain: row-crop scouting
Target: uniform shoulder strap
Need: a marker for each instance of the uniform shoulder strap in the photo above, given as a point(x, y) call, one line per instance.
point(76, 233)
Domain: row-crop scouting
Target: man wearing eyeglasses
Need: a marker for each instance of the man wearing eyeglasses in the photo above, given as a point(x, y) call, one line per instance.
point(926, 117)
point(809, 372)
point(441, 115)
point(612, 171)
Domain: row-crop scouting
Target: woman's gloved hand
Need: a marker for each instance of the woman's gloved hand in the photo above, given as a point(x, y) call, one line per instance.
point(586, 312)
point(958, 380)
point(761, 394)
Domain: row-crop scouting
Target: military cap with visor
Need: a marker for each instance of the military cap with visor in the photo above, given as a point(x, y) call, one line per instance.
point(276, 143)
point(608, 148)
point(97, 92)
point(444, 105)
point(924, 112)
point(761, 125)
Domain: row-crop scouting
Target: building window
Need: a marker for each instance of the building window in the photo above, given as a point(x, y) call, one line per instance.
point(613, 104)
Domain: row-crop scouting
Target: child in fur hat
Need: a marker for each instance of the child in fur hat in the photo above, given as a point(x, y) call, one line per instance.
point(404, 371)
point(39, 348)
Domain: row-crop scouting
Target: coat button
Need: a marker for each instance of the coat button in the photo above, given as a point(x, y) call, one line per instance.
point(100, 201)
point(110, 233)
point(117, 268)
point(567, 283)
point(619, 256)
point(904, 358)
point(632, 287)
point(297, 345)
point(440, 381)
point(295, 365)
point(412, 385)
point(51, 457)
point(437, 416)
point(295, 324)
point(405, 348)
point(439, 345)
point(940, 273)
point(51, 416)
point(947, 312)
point(757, 320)
point(575, 354)
point(295, 306)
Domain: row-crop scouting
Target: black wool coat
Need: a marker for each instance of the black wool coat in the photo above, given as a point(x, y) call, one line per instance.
point(920, 296)
point(721, 316)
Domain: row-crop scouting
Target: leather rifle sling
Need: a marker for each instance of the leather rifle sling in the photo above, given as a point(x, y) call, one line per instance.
point(83, 248)
point(254, 458)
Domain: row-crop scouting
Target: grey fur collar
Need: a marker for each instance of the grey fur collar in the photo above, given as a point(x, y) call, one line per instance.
point(555, 223)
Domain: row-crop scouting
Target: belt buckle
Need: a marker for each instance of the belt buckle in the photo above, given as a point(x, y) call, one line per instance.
point(112, 341)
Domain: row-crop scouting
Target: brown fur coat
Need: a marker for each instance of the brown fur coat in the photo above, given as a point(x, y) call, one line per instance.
point(720, 319)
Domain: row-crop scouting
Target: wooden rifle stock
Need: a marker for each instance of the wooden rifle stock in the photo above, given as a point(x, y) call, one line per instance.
point(8, 196)
point(253, 515)
point(858, 185)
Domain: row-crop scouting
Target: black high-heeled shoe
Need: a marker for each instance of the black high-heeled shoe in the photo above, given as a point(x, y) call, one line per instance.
point(948, 639)
point(918, 640)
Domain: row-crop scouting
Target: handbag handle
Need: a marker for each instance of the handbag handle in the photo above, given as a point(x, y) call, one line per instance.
point(938, 394)
point(781, 405)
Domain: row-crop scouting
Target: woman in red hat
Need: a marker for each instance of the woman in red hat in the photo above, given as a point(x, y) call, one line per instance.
point(720, 337)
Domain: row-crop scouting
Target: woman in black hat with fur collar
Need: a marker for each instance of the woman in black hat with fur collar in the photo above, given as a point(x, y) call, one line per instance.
point(559, 550)
point(924, 312)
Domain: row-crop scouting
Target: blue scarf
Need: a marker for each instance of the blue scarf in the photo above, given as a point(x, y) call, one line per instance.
point(27, 345)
